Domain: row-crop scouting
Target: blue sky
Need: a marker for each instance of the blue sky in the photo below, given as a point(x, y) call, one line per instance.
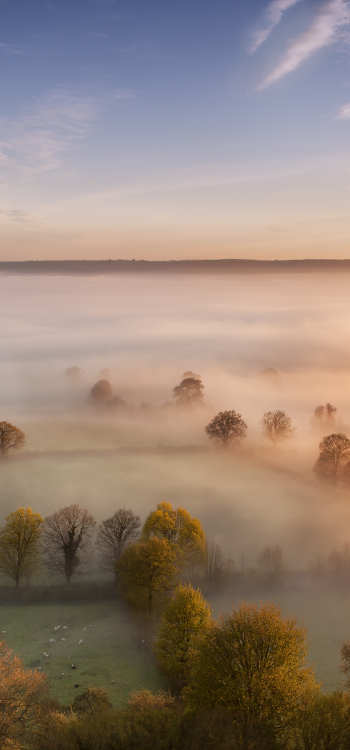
point(157, 129)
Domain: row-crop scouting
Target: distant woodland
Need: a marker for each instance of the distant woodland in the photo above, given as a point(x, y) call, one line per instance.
point(233, 266)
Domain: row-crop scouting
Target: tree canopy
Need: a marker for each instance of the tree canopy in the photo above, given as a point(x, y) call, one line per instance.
point(276, 426)
point(178, 527)
point(114, 534)
point(10, 437)
point(184, 621)
point(227, 427)
point(146, 569)
point(332, 462)
point(67, 535)
point(20, 544)
point(189, 392)
point(21, 692)
point(101, 391)
point(254, 662)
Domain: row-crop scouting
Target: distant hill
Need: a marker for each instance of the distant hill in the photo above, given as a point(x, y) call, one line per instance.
point(231, 266)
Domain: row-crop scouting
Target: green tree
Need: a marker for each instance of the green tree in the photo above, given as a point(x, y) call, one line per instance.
point(189, 392)
point(332, 461)
point(276, 426)
point(177, 526)
point(10, 437)
point(146, 569)
point(227, 427)
point(20, 544)
point(185, 619)
point(254, 662)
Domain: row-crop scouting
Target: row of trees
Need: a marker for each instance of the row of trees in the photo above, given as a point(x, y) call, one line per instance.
point(170, 540)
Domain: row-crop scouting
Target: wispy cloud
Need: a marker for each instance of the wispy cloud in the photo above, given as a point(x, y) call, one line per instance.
point(16, 214)
point(273, 12)
point(10, 49)
point(324, 30)
point(36, 140)
point(344, 112)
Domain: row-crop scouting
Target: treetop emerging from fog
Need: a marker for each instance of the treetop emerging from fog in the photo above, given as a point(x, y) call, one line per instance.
point(10, 437)
point(227, 427)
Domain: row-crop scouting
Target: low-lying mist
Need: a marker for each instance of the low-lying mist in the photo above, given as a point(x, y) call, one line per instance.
point(142, 334)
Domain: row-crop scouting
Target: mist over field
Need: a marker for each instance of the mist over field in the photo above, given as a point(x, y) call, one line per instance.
point(142, 334)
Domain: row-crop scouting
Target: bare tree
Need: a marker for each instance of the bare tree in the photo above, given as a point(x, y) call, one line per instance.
point(214, 562)
point(227, 427)
point(114, 535)
point(332, 461)
point(276, 426)
point(67, 539)
point(10, 437)
point(189, 392)
point(271, 560)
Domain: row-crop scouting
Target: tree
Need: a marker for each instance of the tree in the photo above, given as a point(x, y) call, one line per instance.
point(334, 452)
point(214, 562)
point(184, 621)
point(254, 662)
point(146, 569)
point(325, 413)
point(177, 526)
point(227, 427)
point(21, 692)
point(20, 544)
point(189, 392)
point(114, 534)
point(271, 560)
point(74, 373)
point(101, 392)
point(345, 663)
point(276, 426)
point(10, 437)
point(67, 536)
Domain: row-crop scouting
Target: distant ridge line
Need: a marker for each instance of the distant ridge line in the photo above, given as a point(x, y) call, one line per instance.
point(228, 265)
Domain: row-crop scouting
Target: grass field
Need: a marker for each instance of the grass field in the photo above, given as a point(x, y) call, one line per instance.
point(110, 652)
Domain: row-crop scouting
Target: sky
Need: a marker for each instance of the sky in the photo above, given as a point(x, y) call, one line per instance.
point(161, 130)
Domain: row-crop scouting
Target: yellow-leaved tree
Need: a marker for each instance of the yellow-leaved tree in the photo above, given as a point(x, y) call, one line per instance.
point(20, 544)
point(21, 693)
point(184, 533)
point(254, 663)
point(185, 620)
point(144, 570)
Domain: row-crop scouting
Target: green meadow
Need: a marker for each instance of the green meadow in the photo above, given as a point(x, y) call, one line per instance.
point(111, 655)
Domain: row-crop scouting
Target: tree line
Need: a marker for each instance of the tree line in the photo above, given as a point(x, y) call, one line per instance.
point(229, 429)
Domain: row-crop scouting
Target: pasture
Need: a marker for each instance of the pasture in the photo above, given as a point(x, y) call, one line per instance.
point(111, 651)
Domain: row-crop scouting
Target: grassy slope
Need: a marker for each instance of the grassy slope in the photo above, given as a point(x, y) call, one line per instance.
point(110, 649)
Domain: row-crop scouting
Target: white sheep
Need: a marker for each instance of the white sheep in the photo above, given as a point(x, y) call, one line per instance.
point(80, 642)
point(57, 627)
point(63, 639)
point(3, 632)
point(52, 640)
point(65, 627)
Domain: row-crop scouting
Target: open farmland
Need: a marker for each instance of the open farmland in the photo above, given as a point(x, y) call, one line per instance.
point(111, 650)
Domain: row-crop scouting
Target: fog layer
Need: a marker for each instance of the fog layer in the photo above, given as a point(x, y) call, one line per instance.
point(146, 332)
